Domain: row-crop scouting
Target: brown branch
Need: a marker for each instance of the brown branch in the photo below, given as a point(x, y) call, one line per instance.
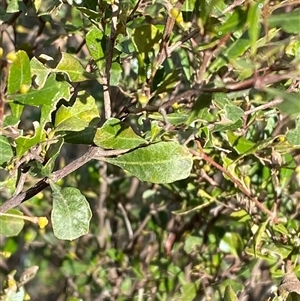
point(241, 187)
point(92, 153)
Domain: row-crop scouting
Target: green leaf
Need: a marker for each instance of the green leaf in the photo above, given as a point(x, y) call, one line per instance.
point(231, 243)
point(15, 6)
point(39, 72)
point(145, 37)
point(6, 151)
point(236, 49)
point(290, 104)
point(79, 116)
point(189, 291)
point(95, 42)
point(9, 225)
point(289, 22)
point(116, 134)
point(85, 136)
point(50, 157)
point(71, 213)
point(163, 162)
point(24, 143)
point(254, 24)
point(293, 136)
point(192, 243)
point(115, 74)
point(240, 215)
point(240, 144)
point(71, 66)
point(233, 113)
point(235, 22)
point(229, 294)
point(258, 236)
point(50, 94)
point(19, 73)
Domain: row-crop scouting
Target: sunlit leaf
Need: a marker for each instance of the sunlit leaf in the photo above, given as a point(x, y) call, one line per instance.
point(71, 213)
point(20, 73)
point(116, 134)
point(83, 113)
point(11, 225)
point(163, 162)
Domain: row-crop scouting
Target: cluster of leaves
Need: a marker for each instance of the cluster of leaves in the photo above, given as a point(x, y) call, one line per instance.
point(190, 112)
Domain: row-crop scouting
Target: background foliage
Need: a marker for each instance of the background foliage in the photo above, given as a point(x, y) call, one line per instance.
point(186, 115)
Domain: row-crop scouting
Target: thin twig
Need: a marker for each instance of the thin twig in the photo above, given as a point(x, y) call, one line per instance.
point(267, 105)
point(126, 220)
point(109, 56)
point(92, 153)
point(241, 187)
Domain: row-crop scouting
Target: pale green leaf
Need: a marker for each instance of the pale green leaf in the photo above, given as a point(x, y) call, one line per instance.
point(10, 225)
point(163, 162)
point(293, 136)
point(71, 213)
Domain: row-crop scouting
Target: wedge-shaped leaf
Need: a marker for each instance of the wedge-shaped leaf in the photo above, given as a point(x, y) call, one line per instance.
point(10, 223)
point(25, 143)
point(289, 22)
point(19, 73)
point(229, 294)
point(6, 151)
point(50, 94)
point(254, 25)
point(115, 74)
point(231, 243)
point(71, 213)
point(240, 144)
point(50, 157)
point(293, 136)
point(258, 236)
point(290, 104)
point(116, 134)
point(39, 72)
point(96, 44)
point(72, 67)
point(189, 291)
point(235, 22)
point(163, 162)
point(79, 116)
point(145, 37)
